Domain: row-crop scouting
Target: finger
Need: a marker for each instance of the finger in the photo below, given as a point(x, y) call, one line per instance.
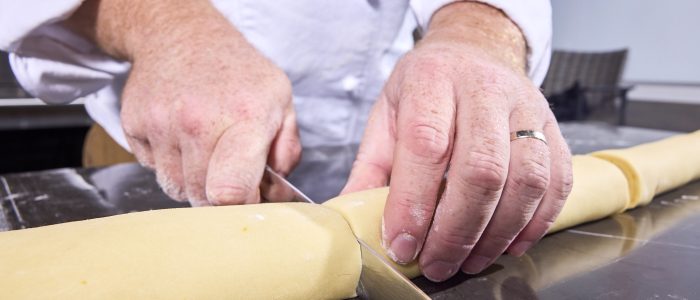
point(168, 167)
point(477, 174)
point(166, 156)
point(425, 127)
point(134, 127)
point(561, 181)
point(285, 150)
point(528, 177)
point(285, 153)
point(273, 190)
point(137, 139)
point(141, 149)
point(373, 163)
point(236, 166)
point(196, 152)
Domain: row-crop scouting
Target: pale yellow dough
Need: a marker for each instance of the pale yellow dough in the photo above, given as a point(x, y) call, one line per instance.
point(265, 251)
point(282, 251)
point(599, 190)
point(363, 211)
point(657, 167)
point(605, 183)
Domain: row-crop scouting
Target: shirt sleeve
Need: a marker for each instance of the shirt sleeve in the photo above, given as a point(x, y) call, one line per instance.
point(58, 66)
point(19, 18)
point(534, 17)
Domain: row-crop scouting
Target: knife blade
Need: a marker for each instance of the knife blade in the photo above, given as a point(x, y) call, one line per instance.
point(378, 279)
point(288, 193)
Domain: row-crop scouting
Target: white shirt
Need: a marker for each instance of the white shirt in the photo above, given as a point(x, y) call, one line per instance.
point(337, 54)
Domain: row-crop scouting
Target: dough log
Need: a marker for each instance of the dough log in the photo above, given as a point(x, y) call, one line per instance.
point(605, 183)
point(599, 190)
point(265, 251)
point(657, 167)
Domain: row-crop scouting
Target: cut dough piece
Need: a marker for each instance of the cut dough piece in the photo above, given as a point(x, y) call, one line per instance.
point(599, 190)
point(657, 167)
point(264, 251)
point(363, 211)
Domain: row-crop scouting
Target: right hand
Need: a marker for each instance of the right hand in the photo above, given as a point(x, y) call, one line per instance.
point(202, 106)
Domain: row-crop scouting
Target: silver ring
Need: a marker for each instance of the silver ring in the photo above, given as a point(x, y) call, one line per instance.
point(528, 134)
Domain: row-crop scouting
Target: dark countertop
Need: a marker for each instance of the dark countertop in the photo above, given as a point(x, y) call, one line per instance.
point(647, 253)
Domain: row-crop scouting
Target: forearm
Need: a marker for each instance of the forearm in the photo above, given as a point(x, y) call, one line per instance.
point(127, 29)
point(481, 28)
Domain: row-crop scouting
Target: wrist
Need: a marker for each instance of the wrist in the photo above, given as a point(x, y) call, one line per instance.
point(480, 29)
point(130, 29)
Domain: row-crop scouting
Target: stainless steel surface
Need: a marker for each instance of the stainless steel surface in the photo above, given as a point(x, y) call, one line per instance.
point(379, 280)
point(585, 137)
point(651, 252)
point(32, 113)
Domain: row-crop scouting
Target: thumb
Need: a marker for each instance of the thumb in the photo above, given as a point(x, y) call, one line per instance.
point(236, 167)
point(372, 166)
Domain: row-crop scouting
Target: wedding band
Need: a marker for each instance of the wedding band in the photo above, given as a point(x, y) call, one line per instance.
point(525, 134)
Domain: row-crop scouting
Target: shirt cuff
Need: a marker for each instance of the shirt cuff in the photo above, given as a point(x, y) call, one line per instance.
point(19, 18)
point(57, 66)
point(534, 18)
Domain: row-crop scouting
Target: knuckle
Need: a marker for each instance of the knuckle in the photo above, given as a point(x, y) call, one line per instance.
point(155, 120)
point(562, 186)
point(131, 127)
point(419, 210)
point(457, 238)
point(485, 172)
point(429, 141)
point(532, 179)
point(192, 124)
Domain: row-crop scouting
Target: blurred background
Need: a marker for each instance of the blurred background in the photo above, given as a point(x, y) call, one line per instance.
point(620, 62)
point(636, 59)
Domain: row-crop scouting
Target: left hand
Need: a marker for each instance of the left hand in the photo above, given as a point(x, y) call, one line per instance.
point(449, 106)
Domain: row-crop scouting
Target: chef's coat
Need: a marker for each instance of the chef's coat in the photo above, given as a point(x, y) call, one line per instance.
point(337, 54)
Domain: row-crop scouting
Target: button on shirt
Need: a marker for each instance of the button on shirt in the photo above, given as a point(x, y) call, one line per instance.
point(337, 54)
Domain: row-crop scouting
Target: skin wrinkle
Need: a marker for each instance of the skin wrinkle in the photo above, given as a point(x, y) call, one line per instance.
point(472, 48)
point(482, 54)
point(179, 50)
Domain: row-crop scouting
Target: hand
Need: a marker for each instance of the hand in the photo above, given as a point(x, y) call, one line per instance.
point(201, 106)
point(449, 106)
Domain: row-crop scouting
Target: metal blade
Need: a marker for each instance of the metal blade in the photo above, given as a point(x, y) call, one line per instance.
point(285, 192)
point(379, 280)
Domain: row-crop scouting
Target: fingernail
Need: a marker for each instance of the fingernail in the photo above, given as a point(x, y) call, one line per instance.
point(475, 264)
point(403, 249)
point(439, 270)
point(519, 248)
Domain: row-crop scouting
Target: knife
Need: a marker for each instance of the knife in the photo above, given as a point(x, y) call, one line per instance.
point(378, 279)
